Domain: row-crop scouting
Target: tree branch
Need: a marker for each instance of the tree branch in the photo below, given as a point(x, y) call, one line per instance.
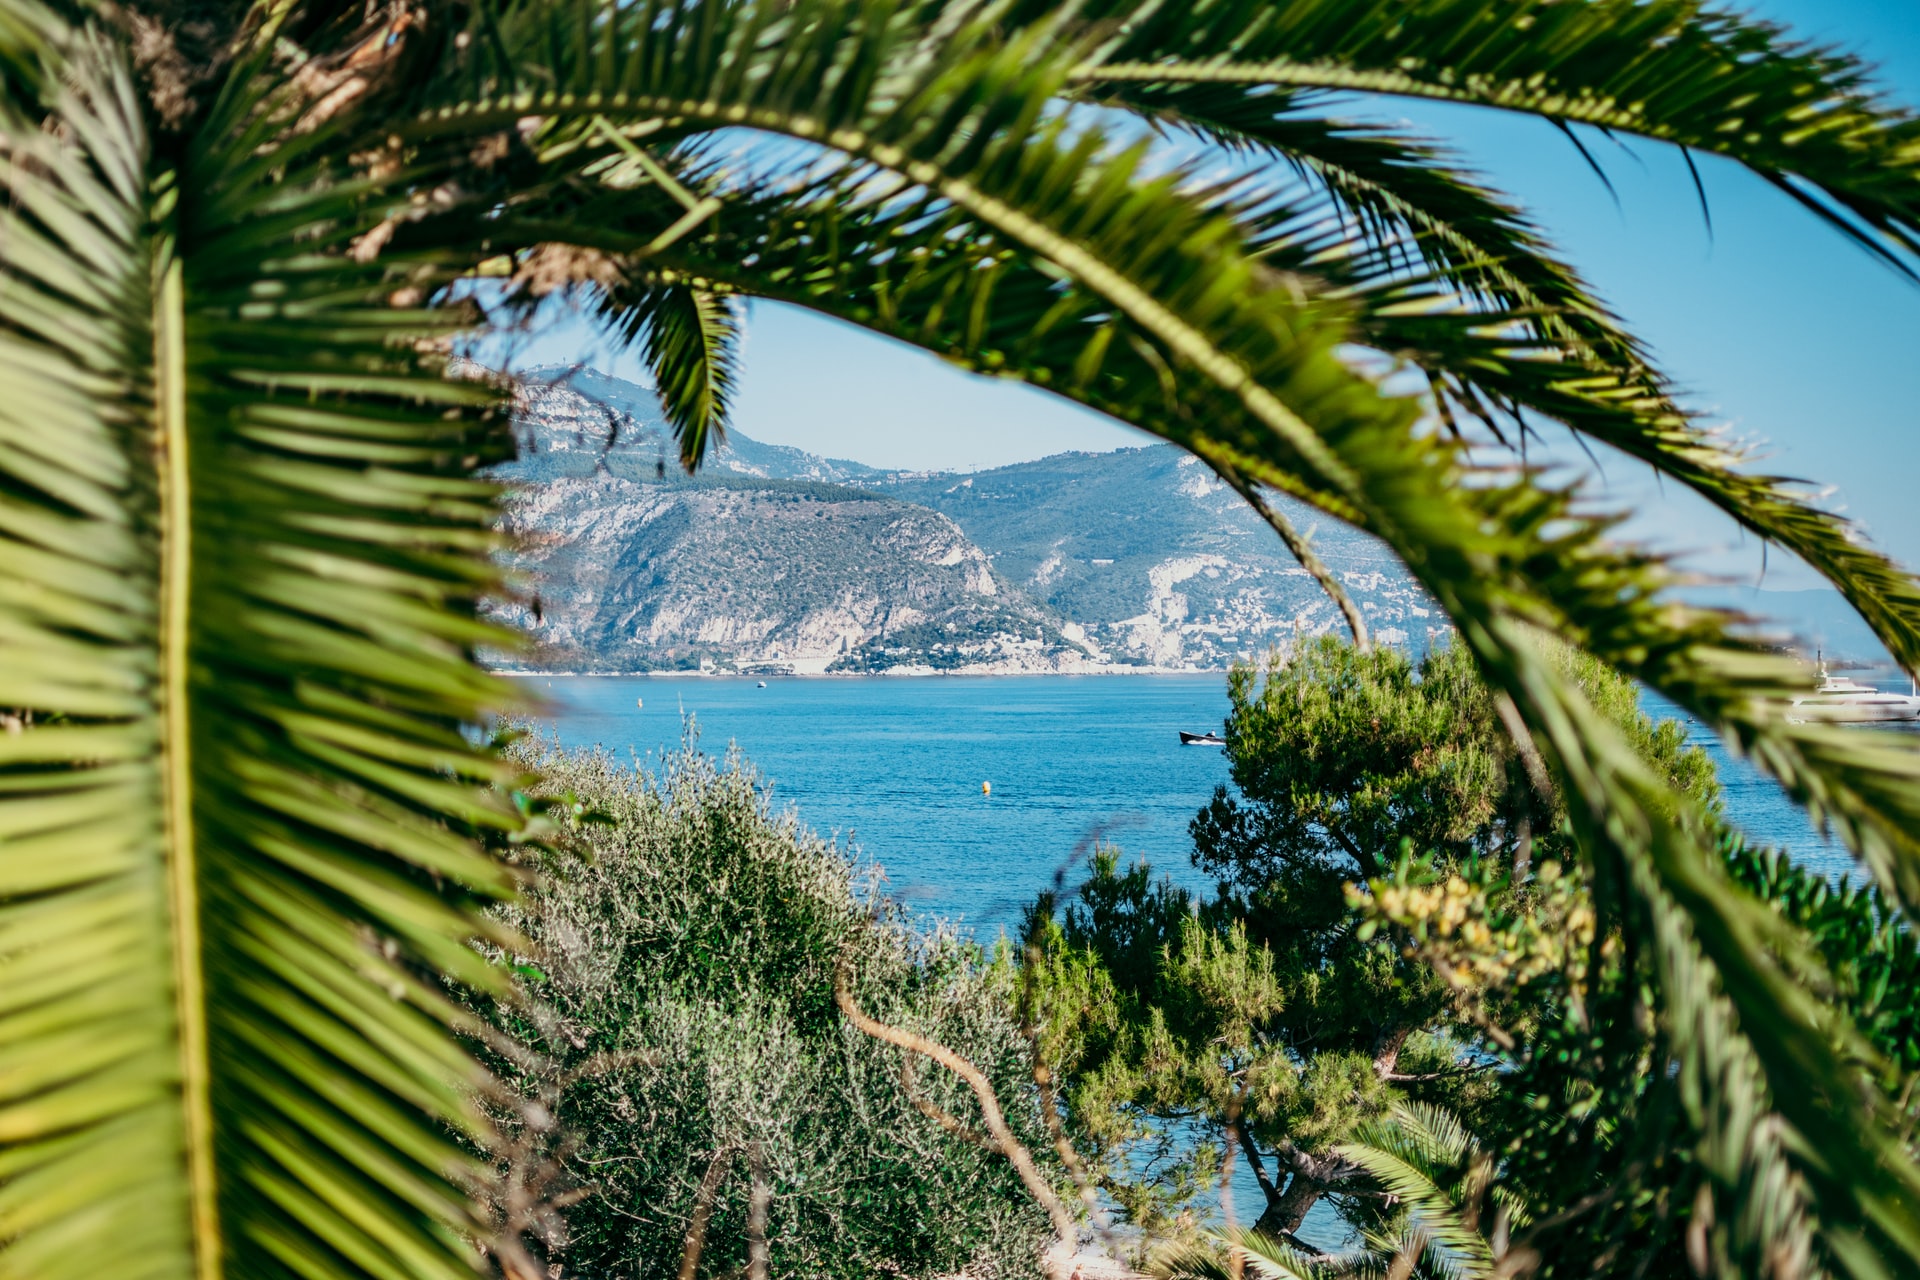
point(703, 1212)
point(1050, 1112)
point(1260, 1173)
point(1064, 1227)
point(759, 1201)
point(1369, 865)
point(928, 1108)
point(1236, 1256)
point(1398, 1077)
point(1523, 743)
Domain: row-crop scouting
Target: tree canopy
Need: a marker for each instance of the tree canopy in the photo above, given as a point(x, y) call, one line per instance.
point(1401, 987)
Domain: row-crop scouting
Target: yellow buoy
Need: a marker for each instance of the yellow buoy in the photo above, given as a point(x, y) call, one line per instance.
point(986, 788)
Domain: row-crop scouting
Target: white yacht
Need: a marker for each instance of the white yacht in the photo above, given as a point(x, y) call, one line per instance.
point(1839, 700)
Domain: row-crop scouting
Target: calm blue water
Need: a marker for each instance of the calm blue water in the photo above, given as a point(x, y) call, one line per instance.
point(894, 767)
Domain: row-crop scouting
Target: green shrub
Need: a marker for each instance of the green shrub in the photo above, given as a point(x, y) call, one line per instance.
point(683, 965)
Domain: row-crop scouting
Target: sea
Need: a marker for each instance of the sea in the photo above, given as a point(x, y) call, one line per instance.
point(974, 794)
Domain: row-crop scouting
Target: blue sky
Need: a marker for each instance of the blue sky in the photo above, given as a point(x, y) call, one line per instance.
point(1774, 325)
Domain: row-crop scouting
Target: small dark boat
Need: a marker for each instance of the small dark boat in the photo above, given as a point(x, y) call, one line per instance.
point(1201, 739)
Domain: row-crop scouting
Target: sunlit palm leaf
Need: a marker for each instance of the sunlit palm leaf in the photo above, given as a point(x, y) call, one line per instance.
point(690, 339)
point(1675, 70)
point(1407, 199)
point(1261, 1258)
point(978, 255)
point(341, 548)
point(90, 1106)
point(1479, 354)
point(243, 559)
point(1411, 482)
point(994, 233)
point(1021, 247)
point(1531, 338)
point(1420, 1154)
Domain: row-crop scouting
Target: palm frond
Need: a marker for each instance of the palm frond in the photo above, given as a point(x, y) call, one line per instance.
point(244, 842)
point(87, 1023)
point(1807, 119)
point(340, 547)
point(1409, 1155)
point(1452, 279)
point(1627, 588)
point(1408, 198)
point(1427, 1138)
point(1579, 367)
point(1261, 1257)
point(951, 208)
point(1586, 61)
point(1062, 342)
point(1483, 364)
point(690, 339)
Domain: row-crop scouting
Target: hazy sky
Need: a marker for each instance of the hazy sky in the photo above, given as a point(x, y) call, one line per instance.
point(1776, 326)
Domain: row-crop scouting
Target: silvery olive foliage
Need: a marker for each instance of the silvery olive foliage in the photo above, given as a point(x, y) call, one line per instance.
point(681, 951)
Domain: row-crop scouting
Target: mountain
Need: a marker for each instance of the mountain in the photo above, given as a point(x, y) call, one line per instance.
point(798, 576)
point(773, 558)
point(572, 415)
point(1158, 559)
point(767, 560)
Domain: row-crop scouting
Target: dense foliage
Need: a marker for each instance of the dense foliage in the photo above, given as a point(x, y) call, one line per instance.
point(1401, 948)
point(684, 955)
point(243, 542)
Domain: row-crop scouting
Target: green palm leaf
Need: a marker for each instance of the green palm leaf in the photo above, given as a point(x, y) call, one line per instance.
point(238, 854)
point(1261, 1258)
point(690, 339)
point(342, 549)
point(87, 1025)
point(1454, 531)
point(1675, 70)
point(1508, 330)
point(1412, 1154)
point(1409, 200)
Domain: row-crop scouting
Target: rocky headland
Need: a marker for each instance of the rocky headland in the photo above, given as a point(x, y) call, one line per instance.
point(777, 560)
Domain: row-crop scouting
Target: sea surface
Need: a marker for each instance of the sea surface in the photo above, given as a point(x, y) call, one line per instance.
point(895, 767)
